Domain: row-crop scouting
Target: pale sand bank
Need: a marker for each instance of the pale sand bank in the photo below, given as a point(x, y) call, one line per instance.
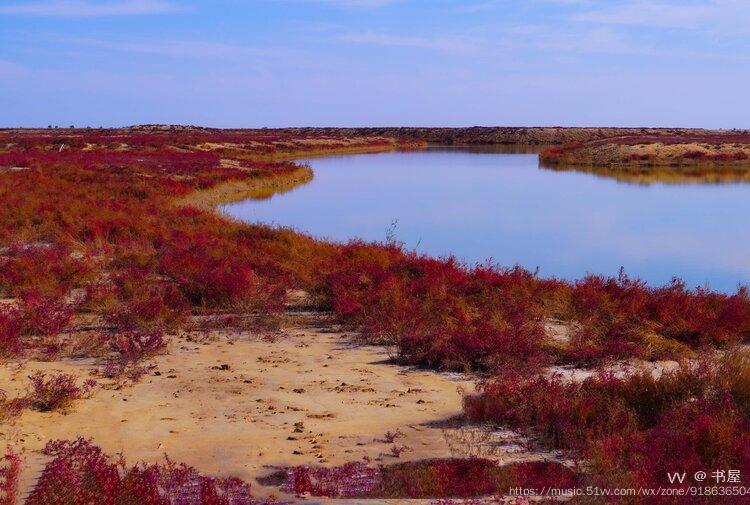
point(243, 421)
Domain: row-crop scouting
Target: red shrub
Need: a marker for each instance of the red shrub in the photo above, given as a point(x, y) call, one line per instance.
point(440, 478)
point(11, 325)
point(134, 346)
point(700, 318)
point(612, 319)
point(637, 429)
point(82, 473)
point(707, 435)
point(616, 317)
point(433, 478)
point(438, 312)
point(50, 269)
point(208, 276)
point(569, 414)
point(130, 349)
point(145, 303)
point(346, 481)
point(44, 315)
point(56, 392)
point(543, 474)
point(10, 468)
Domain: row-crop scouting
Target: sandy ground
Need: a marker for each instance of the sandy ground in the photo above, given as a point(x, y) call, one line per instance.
point(237, 404)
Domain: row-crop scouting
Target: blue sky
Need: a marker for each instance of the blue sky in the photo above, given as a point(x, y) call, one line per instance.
point(248, 63)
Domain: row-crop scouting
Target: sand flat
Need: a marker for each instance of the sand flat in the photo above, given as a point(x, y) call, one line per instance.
point(234, 404)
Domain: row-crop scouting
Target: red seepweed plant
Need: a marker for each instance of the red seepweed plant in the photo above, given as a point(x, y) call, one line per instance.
point(438, 312)
point(10, 468)
point(620, 317)
point(634, 429)
point(36, 316)
point(56, 392)
point(433, 478)
point(45, 315)
point(81, 472)
point(129, 349)
point(11, 326)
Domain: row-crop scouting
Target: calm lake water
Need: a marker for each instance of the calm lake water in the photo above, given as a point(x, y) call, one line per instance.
point(504, 207)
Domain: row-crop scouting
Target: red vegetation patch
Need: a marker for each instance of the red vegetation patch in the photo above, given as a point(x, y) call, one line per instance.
point(439, 312)
point(46, 268)
point(442, 314)
point(136, 345)
point(617, 316)
point(96, 212)
point(11, 325)
point(129, 349)
point(45, 315)
point(10, 468)
point(208, 276)
point(346, 481)
point(567, 414)
point(57, 392)
point(82, 473)
point(633, 429)
point(708, 435)
point(36, 316)
point(435, 478)
point(137, 303)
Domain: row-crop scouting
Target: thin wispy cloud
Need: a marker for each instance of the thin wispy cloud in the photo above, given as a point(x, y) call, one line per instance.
point(346, 3)
point(605, 40)
point(668, 14)
point(502, 40)
point(88, 8)
point(453, 45)
point(361, 3)
point(176, 48)
point(598, 40)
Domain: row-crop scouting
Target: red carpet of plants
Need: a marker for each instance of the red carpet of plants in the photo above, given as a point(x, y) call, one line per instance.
point(434, 478)
point(80, 473)
point(634, 429)
point(90, 226)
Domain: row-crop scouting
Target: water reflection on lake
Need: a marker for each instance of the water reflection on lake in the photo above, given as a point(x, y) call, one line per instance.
point(480, 204)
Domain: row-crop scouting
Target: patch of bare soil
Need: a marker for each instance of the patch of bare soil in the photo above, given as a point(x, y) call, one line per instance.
point(238, 404)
